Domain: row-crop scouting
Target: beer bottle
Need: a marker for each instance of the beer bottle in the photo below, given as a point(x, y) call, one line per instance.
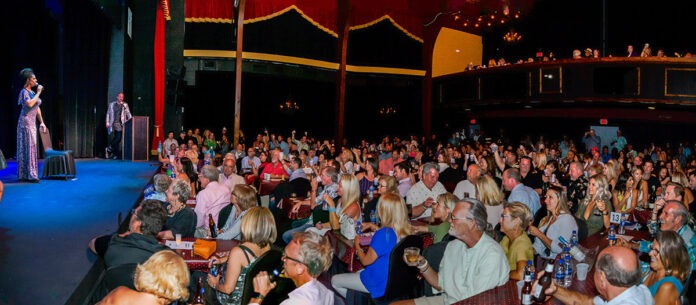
point(211, 226)
point(199, 298)
point(527, 290)
point(544, 283)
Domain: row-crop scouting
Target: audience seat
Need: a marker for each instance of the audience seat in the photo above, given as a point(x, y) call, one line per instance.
point(268, 262)
point(57, 163)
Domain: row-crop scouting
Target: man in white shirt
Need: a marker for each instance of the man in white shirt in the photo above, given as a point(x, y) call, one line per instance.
point(472, 263)
point(424, 194)
point(467, 188)
point(210, 200)
point(229, 177)
point(306, 257)
point(617, 279)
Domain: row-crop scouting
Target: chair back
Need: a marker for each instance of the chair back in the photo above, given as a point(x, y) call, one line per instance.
point(121, 275)
point(301, 186)
point(46, 140)
point(402, 279)
point(269, 261)
point(224, 215)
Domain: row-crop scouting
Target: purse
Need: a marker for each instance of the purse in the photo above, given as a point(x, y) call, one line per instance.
point(204, 248)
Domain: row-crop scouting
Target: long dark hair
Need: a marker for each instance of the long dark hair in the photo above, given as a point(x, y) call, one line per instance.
point(187, 168)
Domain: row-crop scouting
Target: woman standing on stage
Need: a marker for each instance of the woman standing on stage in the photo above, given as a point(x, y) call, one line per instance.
point(27, 163)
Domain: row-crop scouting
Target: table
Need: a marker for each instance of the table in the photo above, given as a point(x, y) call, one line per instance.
point(507, 294)
point(195, 262)
point(266, 187)
point(286, 205)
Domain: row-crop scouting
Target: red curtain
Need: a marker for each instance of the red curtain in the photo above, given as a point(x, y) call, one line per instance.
point(209, 10)
point(364, 12)
point(159, 57)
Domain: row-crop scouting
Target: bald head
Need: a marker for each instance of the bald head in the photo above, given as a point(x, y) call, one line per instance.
point(473, 173)
point(620, 267)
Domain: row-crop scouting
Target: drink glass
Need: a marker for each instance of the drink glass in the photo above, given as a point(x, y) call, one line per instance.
point(582, 270)
point(178, 239)
point(412, 254)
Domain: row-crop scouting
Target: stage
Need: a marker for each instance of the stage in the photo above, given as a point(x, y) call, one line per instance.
point(45, 227)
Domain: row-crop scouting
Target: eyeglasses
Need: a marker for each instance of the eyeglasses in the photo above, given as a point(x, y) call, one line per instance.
point(285, 256)
point(454, 218)
point(505, 215)
point(382, 185)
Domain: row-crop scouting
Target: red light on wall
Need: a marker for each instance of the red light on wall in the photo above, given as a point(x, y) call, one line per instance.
point(472, 122)
point(603, 121)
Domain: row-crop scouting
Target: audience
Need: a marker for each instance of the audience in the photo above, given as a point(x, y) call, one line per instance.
point(258, 233)
point(558, 222)
point(210, 200)
point(669, 268)
point(516, 243)
point(180, 218)
point(162, 279)
point(306, 257)
point(243, 198)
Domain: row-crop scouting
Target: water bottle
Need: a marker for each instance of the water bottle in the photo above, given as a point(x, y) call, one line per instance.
point(375, 181)
point(373, 217)
point(529, 269)
point(214, 269)
point(575, 251)
point(271, 202)
point(568, 267)
point(358, 227)
point(371, 193)
point(172, 172)
point(612, 236)
point(622, 223)
point(574, 238)
point(159, 148)
point(560, 274)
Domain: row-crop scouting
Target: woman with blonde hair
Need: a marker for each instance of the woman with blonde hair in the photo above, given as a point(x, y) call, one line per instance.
point(540, 161)
point(258, 234)
point(395, 225)
point(161, 280)
point(243, 198)
point(558, 222)
point(610, 171)
point(442, 208)
point(386, 184)
point(514, 220)
point(669, 267)
point(595, 207)
point(488, 192)
point(344, 214)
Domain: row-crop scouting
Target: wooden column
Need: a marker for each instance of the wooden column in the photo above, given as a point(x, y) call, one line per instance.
point(238, 69)
point(343, 13)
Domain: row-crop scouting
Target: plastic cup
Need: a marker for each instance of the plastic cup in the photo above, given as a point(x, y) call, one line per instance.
point(520, 284)
point(582, 270)
point(178, 239)
point(412, 254)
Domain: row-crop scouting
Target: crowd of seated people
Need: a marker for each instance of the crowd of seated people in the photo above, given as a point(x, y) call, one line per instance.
point(471, 190)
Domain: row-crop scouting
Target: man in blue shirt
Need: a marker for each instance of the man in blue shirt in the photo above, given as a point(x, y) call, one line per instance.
point(520, 192)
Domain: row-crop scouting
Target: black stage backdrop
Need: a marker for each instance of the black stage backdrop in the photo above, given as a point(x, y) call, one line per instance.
point(67, 45)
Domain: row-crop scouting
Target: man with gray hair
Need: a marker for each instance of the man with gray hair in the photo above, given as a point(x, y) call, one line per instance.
point(616, 277)
point(675, 217)
point(472, 263)
point(423, 194)
point(306, 257)
point(160, 184)
point(210, 200)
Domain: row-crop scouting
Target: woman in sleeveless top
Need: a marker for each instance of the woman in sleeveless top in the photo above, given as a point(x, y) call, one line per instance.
point(669, 267)
point(258, 234)
point(344, 214)
point(625, 194)
point(369, 177)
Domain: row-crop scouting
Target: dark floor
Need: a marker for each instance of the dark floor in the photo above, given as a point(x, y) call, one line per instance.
point(45, 227)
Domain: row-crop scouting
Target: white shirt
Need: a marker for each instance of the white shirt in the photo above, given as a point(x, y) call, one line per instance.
point(419, 193)
point(636, 295)
point(465, 271)
point(464, 186)
point(563, 226)
point(231, 181)
point(311, 293)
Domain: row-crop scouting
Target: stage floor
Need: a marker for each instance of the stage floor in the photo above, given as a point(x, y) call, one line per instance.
point(45, 227)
